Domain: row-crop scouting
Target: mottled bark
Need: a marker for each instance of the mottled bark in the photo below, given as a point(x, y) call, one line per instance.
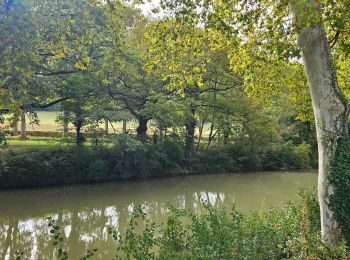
point(329, 106)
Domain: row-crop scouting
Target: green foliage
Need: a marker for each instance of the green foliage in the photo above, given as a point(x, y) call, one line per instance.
point(57, 238)
point(244, 157)
point(173, 150)
point(339, 178)
point(130, 158)
point(217, 159)
point(2, 131)
point(134, 158)
point(19, 255)
point(58, 242)
point(290, 232)
point(145, 241)
point(303, 152)
point(281, 157)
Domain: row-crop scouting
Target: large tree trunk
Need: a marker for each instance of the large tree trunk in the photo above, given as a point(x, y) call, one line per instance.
point(142, 128)
point(330, 108)
point(79, 135)
point(23, 126)
point(14, 123)
point(124, 126)
point(106, 126)
point(15, 128)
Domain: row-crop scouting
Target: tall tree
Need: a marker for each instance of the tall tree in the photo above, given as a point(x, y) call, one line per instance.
point(266, 26)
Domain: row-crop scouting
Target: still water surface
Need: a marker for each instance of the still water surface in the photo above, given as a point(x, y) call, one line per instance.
point(85, 211)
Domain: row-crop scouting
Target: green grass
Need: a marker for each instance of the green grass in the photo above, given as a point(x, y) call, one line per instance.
point(33, 142)
point(45, 141)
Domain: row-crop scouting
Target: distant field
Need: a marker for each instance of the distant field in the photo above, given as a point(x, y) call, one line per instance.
point(47, 123)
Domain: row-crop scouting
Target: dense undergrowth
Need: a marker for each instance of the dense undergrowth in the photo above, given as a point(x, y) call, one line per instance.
point(130, 158)
point(339, 178)
point(290, 232)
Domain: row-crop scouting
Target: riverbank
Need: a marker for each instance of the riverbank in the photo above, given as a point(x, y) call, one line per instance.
point(34, 166)
point(46, 166)
point(38, 166)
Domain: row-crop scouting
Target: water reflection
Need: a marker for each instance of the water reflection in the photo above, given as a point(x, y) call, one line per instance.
point(85, 211)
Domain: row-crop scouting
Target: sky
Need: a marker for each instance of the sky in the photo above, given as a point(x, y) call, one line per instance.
point(148, 6)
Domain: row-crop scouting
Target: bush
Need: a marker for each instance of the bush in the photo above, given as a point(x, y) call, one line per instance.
point(41, 166)
point(241, 157)
point(303, 152)
point(290, 232)
point(214, 160)
point(130, 158)
point(281, 157)
point(173, 150)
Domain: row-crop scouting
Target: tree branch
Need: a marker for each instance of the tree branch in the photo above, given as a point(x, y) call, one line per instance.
point(55, 73)
point(335, 38)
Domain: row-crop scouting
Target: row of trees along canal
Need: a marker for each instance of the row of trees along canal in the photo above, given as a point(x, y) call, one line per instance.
point(233, 64)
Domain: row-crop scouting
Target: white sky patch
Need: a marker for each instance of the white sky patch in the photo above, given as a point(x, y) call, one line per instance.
point(148, 6)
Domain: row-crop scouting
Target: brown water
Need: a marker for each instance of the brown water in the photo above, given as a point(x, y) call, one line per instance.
point(85, 211)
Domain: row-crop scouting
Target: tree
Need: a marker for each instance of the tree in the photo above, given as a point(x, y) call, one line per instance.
point(193, 68)
point(122, 75)
point(43, 42)
point(330, 107)
point(265, 26)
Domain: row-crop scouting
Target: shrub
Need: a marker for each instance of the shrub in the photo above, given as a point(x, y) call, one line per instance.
point(289, 232)
point(303, 152)
point(173, 150)
point(228, 158)
point(3, 167)
point(281, 157)
point(41, 166)
point(246, 157)
point(130, 158)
